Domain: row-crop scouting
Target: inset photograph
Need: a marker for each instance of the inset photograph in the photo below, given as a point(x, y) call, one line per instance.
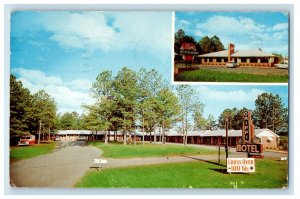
point(231, 47)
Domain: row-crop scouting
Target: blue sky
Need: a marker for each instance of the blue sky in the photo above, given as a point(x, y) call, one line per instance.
point(63, 52)
point(247, 30)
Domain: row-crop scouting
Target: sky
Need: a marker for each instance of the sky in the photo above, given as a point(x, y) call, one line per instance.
point(247, 30)
point(63, 52)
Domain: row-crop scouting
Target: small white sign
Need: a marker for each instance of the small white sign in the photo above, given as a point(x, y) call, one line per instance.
point(240, 165)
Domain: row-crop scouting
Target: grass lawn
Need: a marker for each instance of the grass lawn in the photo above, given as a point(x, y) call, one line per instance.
point(25, 152)
point(118, 150)
point(269, 174)
point(206, 75)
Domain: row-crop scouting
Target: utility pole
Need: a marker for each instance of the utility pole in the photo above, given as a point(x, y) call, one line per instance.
point(40, 131)
point(226, 147)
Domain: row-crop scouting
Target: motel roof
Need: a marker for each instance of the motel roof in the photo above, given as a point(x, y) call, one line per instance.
point(251, 53)
point(223, 53)
point(74, 132)
point(239, 53)
point(208, 133)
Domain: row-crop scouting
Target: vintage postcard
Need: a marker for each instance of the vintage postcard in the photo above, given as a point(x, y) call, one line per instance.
point(231, 47)
point(93, 103)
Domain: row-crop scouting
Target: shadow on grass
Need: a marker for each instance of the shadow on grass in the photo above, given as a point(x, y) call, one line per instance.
point(223, 171)
point(220, 170)
point(202, 160)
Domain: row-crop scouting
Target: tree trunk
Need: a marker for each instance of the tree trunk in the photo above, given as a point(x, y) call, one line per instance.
point(134, 138)
point(154, 137)
point(39, 138)
point(115, 136)
point(163, 132)
point(49, 135)
point(124, 138)
point(186, 126)
point(105, 137)
point(143, 130)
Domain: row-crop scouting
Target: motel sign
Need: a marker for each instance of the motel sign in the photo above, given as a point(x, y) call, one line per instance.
point(249, 142)
point(240, 165)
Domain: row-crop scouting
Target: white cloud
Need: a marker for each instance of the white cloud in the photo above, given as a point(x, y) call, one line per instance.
point(280, 26)
point(80, 30)
point(223, 25)
point(217, 100)
point(244, 32)
point(36, 76)
point(111, 31)
point(238, 96)
point(69, 96)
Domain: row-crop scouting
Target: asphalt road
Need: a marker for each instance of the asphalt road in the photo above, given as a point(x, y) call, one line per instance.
point(62, 168)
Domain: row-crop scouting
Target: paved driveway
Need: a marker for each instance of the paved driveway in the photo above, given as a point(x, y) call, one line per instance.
point(61, 168)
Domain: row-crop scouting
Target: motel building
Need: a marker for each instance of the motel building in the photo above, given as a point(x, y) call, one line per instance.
point(244, 58)
point(266, 137)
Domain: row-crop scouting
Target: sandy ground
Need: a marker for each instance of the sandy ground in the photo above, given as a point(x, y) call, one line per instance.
point(71, 160)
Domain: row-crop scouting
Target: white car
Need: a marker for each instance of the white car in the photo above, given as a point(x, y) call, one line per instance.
point(232, 64)
point(284, 66)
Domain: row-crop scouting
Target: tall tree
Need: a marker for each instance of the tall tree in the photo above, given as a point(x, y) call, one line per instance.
point(20, 101)
point(212, 44)
point(127, 92)
point(216, 44)
point(167, 109)
point(188, 99)
point(69, 121)
point(270, 112)
point(227, 113)
point(42, 112)
point(200, 122)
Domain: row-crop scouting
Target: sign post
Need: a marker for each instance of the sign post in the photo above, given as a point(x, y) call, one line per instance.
point(249, 143)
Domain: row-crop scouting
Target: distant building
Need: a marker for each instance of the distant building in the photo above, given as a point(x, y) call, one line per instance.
point(250, 58)
point(268, 138)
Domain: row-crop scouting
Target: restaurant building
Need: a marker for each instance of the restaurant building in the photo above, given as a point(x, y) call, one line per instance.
point(244, 58)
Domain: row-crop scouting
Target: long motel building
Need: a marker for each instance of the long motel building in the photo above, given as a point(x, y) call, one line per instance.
point(268, 138)
point(246, 58)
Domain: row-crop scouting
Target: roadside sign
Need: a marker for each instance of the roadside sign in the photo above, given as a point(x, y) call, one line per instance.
point(249, 148)
point(240, 165)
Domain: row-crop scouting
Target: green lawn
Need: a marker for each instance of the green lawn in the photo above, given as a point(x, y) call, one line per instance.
point(205, 75)
point(118, 150)
point(269, 174)
point(25, 152)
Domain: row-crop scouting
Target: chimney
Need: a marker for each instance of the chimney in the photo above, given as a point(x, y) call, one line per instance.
point(230, 51)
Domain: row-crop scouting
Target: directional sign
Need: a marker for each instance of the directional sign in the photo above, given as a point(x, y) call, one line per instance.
point(240, 165)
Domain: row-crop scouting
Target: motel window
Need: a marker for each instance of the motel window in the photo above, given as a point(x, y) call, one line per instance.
point(243, 59)
point(268, 141)
point(264, 60)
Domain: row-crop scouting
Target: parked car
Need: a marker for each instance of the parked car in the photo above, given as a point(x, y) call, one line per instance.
point(284, 66)
point(81, 138)
point(232, 64)
point(57, 139)
point(27, 140)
